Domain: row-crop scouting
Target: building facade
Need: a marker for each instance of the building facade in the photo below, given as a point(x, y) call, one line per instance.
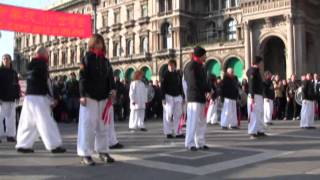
point(145, 34)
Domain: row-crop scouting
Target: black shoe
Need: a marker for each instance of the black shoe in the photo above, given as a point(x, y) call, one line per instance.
point(180, 136)
point(11, 139)
point(143, 129)
point(262, 134)
point(205, 148)
point(310, 127)
point(184, 125)
point(169, 136)
point(58, 150)
point(224, 128)
point(87, 161)
point(105, 157)
point(254, 136)
point(25, 150)
point(269, 123)
point(235, 128)
point(193, 149)
point(116, 146)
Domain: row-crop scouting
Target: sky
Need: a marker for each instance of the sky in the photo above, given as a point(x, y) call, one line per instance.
point(6, 39)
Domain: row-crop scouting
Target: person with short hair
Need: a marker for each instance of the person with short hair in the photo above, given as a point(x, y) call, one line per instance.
point(255, 100)
point(172, 100)
point(9, 93)
point(230, 94)
point(138, 99)
point(268, 95)
point(96, 86)
point(308, 103)
point(197, 94)
point(36, 118)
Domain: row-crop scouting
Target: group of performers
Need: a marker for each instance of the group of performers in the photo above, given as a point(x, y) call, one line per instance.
point(187, 98)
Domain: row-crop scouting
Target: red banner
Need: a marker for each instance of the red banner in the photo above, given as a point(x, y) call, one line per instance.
point(44, 22)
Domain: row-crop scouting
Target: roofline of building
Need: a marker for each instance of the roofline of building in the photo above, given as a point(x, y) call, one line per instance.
point(63, 4)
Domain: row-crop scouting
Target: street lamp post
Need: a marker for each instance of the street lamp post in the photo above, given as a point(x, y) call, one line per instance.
point(94, 4)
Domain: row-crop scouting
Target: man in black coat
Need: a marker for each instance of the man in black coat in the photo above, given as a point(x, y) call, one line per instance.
point(308, 103)
point(230, 94)
point(36, 116)
point(9, 93)
point(255, 100)
point(197, 89)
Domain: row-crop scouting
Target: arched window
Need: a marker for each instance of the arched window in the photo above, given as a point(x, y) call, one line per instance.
point(129, 47)
point(211, 31)
point(144, 46)
point(116, 49)
point(166, 33)
point(231, 30)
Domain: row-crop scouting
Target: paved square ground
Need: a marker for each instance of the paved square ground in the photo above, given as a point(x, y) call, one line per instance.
point(288, 153)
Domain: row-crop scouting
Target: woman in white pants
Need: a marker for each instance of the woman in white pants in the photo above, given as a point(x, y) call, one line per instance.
point(9, 93)
point(138, 99)
point(268, 95)
point(96, 84)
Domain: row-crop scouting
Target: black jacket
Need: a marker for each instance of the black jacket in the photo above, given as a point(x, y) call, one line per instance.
point(9, 83)
point(72, 88)
point(37, 77)
point(268, 89)
point(197, 86)
point(229, 88)
point(291, 89)
point(255, 82)
point(96, 77)
point(171, 84)
point(308, 90)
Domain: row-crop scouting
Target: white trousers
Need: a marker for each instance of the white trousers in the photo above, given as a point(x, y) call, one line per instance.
point(229, 113)
point(172, 115)
point(255, 114)
point(212, 114)
point(92, 132)
point(267, 110)
point(8, 112)
point(136, 119)
point(307, 114)
point(112, 136)
point(35, 120)
point(196, 125)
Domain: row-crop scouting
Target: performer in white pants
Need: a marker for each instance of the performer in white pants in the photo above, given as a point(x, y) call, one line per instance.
point(9, 93)
point(36, 118)
point(255, 100)
point(172, 100)
point(308, 103)
point(138, 99)
point(96, 85)
point(269, 95)
point(195, 77)
point(230, 94)
point(112, 135)
point(212, 114)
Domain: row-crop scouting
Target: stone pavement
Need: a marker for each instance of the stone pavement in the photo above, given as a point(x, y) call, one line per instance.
point(288, 153)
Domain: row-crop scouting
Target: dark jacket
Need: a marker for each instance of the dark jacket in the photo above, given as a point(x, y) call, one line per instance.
point(96, 77)
point(255, 81)
point(9, 83)
point(37, 77)
point(308, 90)
point(197, 86)
point(72, 88)
point(171, 84)
point(268, 89)
point(291, 89)
point(229, 88)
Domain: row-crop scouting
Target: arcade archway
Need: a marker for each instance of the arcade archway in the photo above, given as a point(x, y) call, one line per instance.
point(163, 70)
point(147, 72)
point(129, 74)
point(274, 54)
point(237, 65)
point(213, 67)
point(118, 73)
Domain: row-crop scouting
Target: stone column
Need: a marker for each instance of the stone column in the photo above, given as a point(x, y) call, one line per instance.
point(247, 47)
point(290, 59)
point(300, 46)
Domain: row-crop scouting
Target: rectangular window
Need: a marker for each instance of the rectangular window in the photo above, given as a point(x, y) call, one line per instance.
point(144, 10)
point(117, 17)
point(130, 14)
point(169, 5)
